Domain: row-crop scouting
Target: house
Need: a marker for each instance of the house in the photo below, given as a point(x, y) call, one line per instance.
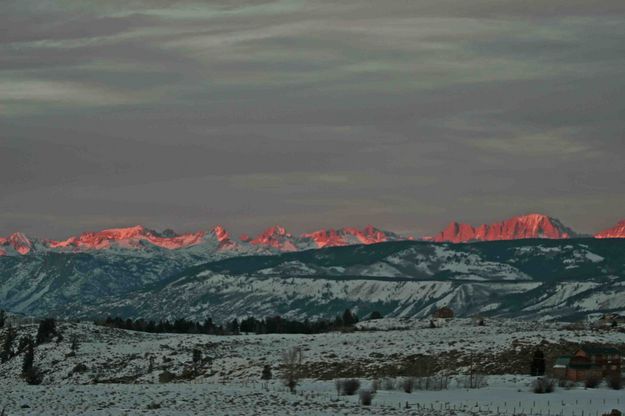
point(588, 362)
point(561, 366)
point(608, 359)
point(443, 313)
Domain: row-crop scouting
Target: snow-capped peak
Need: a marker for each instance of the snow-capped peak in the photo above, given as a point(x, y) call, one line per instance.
point(128, 238)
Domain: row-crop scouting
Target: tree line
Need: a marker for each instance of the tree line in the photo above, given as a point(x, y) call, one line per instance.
point(268, 325)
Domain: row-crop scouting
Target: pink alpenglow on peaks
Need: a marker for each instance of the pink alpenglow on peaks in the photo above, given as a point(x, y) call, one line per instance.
point(350, 235)
point(278, 239)
point(223, 237)
point(369, 235)
point(326, 238)
point(525, 226)
point(130, 237)
point(618, 231)
point(18, 241)
point(275, 237)
point(455, 233)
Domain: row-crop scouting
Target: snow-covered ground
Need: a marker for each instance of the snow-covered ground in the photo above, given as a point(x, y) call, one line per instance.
point(508, 395)
point(117, 372)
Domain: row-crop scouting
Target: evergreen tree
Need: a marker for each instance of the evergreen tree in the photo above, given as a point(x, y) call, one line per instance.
point(3, 318)
point(7, 346)
point(197, 360)
point(234, 327)
point(349, 318)
point(197, 355)
point(74, 343)
point(208, 327)
point(30, 372)
point(129, 325)
point(375, 315)
point(46, 330)
point(538, 364)
point(23, 344)
point(266, 375)
point(29, 354)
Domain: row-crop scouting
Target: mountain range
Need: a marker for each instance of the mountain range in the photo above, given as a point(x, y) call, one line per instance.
point(277, 239)
point(530, 266)
point(528, 278)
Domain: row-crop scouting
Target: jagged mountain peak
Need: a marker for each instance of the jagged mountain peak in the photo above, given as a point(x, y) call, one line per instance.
point(16, 241)
point(350, 235)
point(128, 237)
point(275, 237)
point(532, 225)
point(618, 231)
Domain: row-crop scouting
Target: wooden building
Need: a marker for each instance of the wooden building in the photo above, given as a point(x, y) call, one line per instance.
point(588, 362)
point(443, 313)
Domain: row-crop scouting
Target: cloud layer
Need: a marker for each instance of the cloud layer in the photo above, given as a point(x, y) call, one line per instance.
point(309, 113)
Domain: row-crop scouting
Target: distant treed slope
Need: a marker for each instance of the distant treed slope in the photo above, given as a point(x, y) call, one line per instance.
point(523, 278)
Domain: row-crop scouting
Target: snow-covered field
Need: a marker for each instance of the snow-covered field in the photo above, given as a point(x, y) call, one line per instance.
point(116, 372)
point(505, 396)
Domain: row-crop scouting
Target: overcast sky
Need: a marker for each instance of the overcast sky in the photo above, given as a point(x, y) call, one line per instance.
point(402, 114)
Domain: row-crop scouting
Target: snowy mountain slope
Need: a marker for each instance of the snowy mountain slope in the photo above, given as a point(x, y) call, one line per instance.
point(545, 279)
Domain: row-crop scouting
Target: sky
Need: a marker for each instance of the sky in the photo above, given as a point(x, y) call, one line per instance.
point(401, 114)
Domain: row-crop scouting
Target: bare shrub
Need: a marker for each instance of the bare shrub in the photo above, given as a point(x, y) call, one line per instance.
point(439, 382)
point(33, 376)
point(475, 381)
point(166, 377)
point(566, 384)
point(291, 367)
point(543, 385)
point(376, 384)
point(388, 384)
point(592, 381)
point(79, 368)
point(347, 387)
point(366, 397)
point(408, 384)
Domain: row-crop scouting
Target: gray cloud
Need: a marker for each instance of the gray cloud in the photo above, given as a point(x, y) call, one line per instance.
point(309, 114)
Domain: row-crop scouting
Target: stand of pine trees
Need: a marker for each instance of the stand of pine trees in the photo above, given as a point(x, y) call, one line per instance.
point(269, 325)
point(179, 326)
